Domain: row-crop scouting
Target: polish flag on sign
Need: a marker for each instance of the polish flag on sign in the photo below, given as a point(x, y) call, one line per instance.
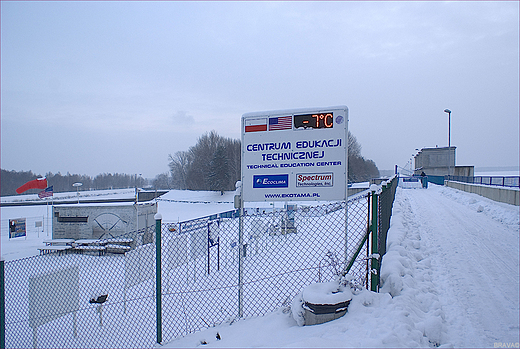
point(39, 183)
point(256, 124)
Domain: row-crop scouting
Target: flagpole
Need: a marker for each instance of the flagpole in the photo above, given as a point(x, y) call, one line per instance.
point(52, 208)
point(47, 229)
point(49, 191)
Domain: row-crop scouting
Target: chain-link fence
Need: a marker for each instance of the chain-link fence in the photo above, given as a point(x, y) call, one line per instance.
point(57, 300)
point(208, 279)
point(215, 269)
point(373, 242)
point(385, 204)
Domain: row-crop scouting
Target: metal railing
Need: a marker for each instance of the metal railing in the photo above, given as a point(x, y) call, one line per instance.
point(507, 181)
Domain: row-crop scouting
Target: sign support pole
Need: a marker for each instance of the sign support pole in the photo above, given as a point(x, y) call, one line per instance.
point(374, 265)
point(158, 291)
point(346, 191)
point(2, 305)
point(241, 256)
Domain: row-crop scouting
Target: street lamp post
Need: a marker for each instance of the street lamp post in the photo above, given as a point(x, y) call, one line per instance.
point(449, 139)
point(77, 185)
point(136, 204)
point(449, 126)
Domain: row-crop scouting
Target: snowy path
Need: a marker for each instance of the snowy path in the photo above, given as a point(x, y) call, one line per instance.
point(474, 265)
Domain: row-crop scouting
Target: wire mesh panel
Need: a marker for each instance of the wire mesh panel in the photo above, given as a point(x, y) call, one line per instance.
point(385, 203)
point(200, 274)
point(358, 224)
point(282, 252)
point(81, 300)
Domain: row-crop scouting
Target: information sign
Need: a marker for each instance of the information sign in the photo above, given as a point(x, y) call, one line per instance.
point(295, 155)
point(17, 228)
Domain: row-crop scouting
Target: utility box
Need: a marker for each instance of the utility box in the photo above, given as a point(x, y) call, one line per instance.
point(323, 302)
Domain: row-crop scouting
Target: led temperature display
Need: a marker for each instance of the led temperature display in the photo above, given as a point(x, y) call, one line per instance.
point(321, 120)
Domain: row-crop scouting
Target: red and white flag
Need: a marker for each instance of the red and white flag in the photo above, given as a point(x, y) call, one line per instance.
point(256, 124)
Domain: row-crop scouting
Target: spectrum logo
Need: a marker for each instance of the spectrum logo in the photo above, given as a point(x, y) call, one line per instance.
point(271, 181)
point(314, 179)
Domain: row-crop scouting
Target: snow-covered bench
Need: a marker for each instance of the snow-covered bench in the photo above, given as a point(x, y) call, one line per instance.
point(51, 249)
point(117, 248)
point(91, 248)
point(119, 241)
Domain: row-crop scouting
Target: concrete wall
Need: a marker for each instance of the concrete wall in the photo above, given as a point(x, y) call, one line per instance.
point(150, 195)
point(354, 191)
point(500, 194)
point(465, 171)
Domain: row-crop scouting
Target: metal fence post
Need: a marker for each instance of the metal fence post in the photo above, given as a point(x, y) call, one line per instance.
point(158, 291)
point(374, 265)
point(2, 305)
point(240, 260)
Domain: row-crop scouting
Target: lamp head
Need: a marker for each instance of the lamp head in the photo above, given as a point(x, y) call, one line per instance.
point(447, 111)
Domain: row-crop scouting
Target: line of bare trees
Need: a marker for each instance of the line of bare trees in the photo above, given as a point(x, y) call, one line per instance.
point(211, 164)
point(10, 180)
point(359, 168)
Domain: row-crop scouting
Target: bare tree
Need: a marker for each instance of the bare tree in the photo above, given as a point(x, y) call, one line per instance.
point(179, 167)
point(354, 148)
point(359, 168)
point(162, 181)
point(219, 176)
point(234, 154)
point(211, 164)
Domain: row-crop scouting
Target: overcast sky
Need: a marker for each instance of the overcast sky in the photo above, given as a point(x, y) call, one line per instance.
point(97, 87)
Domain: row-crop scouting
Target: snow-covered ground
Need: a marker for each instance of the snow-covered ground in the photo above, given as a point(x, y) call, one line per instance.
point(83, 195)
point(450, 277)
point(174, 206)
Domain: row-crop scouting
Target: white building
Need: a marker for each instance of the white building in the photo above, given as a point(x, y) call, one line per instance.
point(100, 221)
point(440, 162)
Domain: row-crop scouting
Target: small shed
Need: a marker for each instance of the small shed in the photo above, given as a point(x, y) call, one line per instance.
point(101, 221)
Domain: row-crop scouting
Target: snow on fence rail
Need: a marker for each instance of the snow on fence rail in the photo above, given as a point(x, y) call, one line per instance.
point(59, 301)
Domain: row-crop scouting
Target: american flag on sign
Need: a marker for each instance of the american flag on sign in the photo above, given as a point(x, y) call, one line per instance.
point(280, 123)
point(46, 193)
